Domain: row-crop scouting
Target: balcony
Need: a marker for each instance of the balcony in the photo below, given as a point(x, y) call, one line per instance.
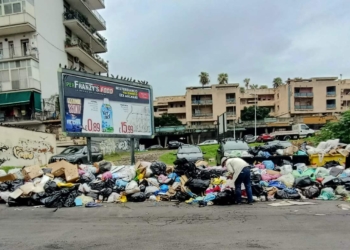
point(202, 102)
point(266, 103)
point(96, 4)
point(305, 94)
point(303, 107)
point(85, 55)
point(28, 83)
point(331, 93)
point(19, 53)
point(86, 8)
point(17, 24)
point(177, 110)
point(331, 106)
point(202, 116)
point(78, 24)
point(230, 114)
point(230, 101)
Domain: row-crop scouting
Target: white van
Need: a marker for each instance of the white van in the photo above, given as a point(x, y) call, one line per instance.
point(298, 131)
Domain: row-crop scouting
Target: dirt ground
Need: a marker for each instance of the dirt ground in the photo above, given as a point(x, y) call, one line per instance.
point(149, 156)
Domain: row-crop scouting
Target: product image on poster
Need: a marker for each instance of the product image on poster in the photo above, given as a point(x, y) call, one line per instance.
point(73, 114)
point(97, 107)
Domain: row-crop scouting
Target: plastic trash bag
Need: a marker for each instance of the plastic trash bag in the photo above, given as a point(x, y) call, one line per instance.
point(5, 196)
point(120, 184)
point(269, 177)
point(137, 197)
point(327, 194)
point(158, 168)
point(197, 186)
point(340, 190)
point(132, 188)
point(330, 164)
point(286, 169)
point(2, 172)
point(311, 192)
point(151, 190)
point(321, 172)
point(335, 171)
point(303, 181)
point(163, 189)
point(227, 197)
point(4, 187)
point(345, 180)
point(104, 166)
point(296, 174)
point(257, 189)
point(97, 185)
point(287, 179)
point(269, 165)
point(180, 196)
point(282, 194)
point(277, 184)
point(331, 181)
point(310, 172)
point(301, 167)
point(50, 187)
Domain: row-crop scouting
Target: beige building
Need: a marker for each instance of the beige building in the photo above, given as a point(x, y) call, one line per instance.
point(316, 97)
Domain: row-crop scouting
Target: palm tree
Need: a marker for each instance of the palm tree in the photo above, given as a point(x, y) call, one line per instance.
point(254, 86)
point(204, 78)
point(223, 78)
point(263, 87)
point(277, 82)
point(246, 81)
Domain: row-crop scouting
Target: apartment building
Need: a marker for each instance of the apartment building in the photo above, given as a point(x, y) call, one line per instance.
point(36, 36)
point(316, 97)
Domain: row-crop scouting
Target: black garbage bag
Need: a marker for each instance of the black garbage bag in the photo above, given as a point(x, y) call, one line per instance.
point(183, 167)
point(281, 194)
point(85, 179)
point(330, 164)
point(4, 187)
point(345, 180)
point(180, 196)
point(334, 171)
point(70, 200)
point(158, 168)
point(311, 192)
point(104, 166)
point(257, 189)
point(303, 181)
point(97, 185)
point(333, 183)
point(50, 187)
point(53, 200)
point(303, 147)
point(253, 151)
point(109, 183)
point(18, 202)
point(216, 173)
point(47, 170)
point(347, 186)
point(142, 188)
point(105, 193)
point(205, 175)
point(38, 196)
point(93, 195)
point(255, 177)
point(137, 197)
point(197, 186)
point(226, 197)
point(62, 198)
point(13, 185)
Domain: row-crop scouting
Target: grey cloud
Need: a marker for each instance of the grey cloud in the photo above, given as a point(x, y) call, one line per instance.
point(170, 42)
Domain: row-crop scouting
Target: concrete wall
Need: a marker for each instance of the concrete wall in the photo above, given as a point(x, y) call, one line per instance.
point(112, 145)
point(20, 147)
point(49, 19)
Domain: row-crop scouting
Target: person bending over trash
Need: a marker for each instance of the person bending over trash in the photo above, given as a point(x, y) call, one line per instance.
point(240, 171)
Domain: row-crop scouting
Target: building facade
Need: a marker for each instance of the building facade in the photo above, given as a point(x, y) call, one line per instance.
point(36, 36)
point(300, 98)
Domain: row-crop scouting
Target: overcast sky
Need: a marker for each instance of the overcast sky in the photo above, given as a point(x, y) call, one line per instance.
point(169, 42)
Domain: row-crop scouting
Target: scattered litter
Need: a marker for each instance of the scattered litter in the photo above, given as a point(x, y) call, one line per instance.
point(291, 203)
point(344, 206)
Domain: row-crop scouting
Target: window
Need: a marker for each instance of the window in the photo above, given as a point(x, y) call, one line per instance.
point(304, 127)
point(11, 7)
point(4, 76)
point(8, 9)
point(17, 8)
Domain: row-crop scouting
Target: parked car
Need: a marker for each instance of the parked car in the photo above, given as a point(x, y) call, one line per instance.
point(264, 138)
point(226, 147)
point(249, 138)
point(174, 144)
point(284, 144)
point(208, 142)
point(298, 131)
point(190, 152)
point(78, 155)
point(154, 147)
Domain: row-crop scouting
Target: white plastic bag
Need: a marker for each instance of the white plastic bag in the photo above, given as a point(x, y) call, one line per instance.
point(153, 182)
point(151, 189)
point(132, 188)
point(287, 179)
point(321, 172)
point(279, 151)
point(286, 169)
point(301, 167)
point(148, 172)
point(2, 172)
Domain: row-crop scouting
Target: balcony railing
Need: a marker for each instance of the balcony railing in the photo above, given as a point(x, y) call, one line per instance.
point(331, 106)
point(231, 101)
point(331, 93)
point(99, 17)
point(303, 107)
point(18, 52)
point(202, 102)
point(306, 94)
point(202, 115)
point(87, 49)
point(73, 14)
point(231, 113)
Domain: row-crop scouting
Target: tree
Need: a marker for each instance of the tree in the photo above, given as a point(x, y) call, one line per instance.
point(223, 78)
point(204, 78)
point(242, 89)
point(333, 130)
point(263, 87)
point(248, 113)
point(166, 120)
point(277, 82)
point(254, 86)
point(246, 82)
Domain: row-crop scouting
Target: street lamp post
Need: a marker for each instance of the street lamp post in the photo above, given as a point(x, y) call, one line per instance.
point(254, 111)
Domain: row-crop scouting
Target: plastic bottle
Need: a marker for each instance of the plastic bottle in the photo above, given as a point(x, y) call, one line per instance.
point(107, 117)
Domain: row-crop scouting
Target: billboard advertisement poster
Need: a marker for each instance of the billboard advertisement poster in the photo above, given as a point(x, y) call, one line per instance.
point(97, 106)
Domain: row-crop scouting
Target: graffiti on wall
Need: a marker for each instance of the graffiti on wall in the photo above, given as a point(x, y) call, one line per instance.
point(25, 148)
point(107, 146)
point(110, 145)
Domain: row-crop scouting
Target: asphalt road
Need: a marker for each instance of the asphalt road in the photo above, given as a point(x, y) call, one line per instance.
point(165, 226)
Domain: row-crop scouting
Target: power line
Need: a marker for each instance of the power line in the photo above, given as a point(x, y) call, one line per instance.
point(51, 43)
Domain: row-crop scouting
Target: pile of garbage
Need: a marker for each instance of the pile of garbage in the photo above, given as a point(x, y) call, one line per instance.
point(62, 184)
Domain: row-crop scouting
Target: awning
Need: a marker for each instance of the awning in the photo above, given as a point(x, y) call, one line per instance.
point(7, 99)
point(37, 102)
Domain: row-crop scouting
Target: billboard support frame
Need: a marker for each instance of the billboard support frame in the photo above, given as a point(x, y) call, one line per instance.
point(111, 81)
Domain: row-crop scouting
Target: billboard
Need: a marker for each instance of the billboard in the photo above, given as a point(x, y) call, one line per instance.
point(98, 106)
point(222, 124)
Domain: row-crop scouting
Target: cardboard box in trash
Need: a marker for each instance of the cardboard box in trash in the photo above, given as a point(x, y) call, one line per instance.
point(32, 172)
point(70, 171)
point(8, 177)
